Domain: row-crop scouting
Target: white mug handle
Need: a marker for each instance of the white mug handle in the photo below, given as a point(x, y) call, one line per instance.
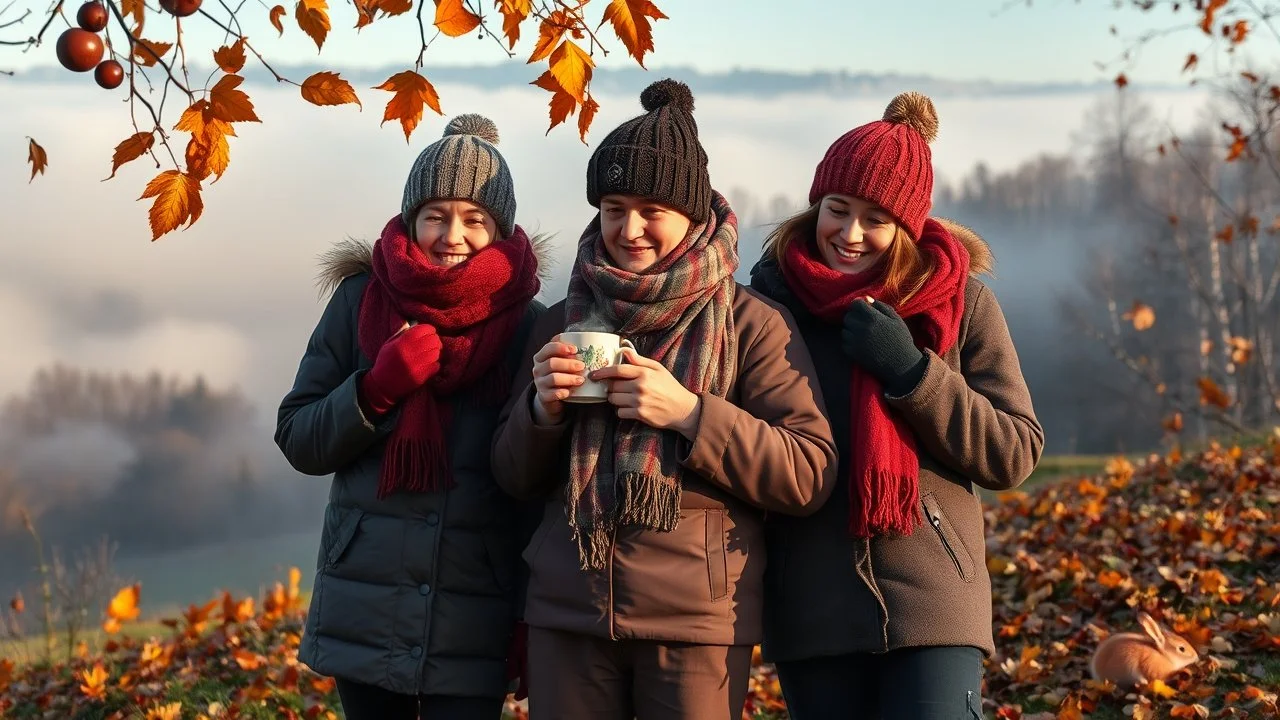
point(624, 344)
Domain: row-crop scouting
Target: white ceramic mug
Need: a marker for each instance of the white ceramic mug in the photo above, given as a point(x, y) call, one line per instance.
point(596, 350)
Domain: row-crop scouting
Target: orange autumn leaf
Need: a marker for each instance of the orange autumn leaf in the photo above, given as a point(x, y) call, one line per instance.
point(230, 57)
point(1179, 710)
point(1239, 31)
point(230, 104)
point(177, 201)
point(247, 660)
point(295, 581)
point(327, 88)
point(124, 605)
point(1241, 350)
point(131, 148)
point(136, 8)
point(1192, 59)
point(171, 711)
point(147, 53)
point(1211, 394)
point(1206, 21)
point(549, 33)
point(208, 154)
point(1173, 423)
point(412, 93)
point(1121, 81)
point(585, 117)
point(630, 20)
point(391, 8)
point(1141, 315)
point(17, 604)
point(513, 13)
point(1226, 234)
point(562, 105)
point(6, 673)
point(111, 626)
point(454, 19)
point(278, 12)
point(313, 19)
point(571, 67)
point(37, 157)
point(94, 682)
point(236, 611)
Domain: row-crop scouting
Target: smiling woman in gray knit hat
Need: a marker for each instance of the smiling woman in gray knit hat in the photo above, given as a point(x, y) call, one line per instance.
point(646, 572)
point(397, 395)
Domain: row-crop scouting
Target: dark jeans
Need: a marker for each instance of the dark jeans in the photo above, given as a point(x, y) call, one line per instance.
point(928, 683)
point(369, 702)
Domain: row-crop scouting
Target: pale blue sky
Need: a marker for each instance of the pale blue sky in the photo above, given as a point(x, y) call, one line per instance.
point(1052, 40)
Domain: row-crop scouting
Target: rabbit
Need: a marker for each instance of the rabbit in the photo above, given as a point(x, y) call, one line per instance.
point(1128, 659)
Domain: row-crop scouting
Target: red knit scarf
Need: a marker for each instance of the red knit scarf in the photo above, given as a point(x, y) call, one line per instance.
point(474, 306)
point(884, 482)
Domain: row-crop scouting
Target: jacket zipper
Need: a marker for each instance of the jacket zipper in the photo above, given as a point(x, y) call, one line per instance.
point(936, 521)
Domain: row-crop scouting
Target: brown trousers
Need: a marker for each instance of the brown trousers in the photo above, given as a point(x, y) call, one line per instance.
point(580, 677)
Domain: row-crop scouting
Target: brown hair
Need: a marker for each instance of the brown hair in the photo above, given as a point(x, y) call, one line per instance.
point(903, 268)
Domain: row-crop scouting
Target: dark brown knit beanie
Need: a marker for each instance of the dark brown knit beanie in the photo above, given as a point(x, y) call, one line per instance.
point(656, 155)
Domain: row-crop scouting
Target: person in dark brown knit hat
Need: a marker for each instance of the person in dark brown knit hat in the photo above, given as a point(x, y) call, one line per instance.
point(644, 597)
point(879, 605)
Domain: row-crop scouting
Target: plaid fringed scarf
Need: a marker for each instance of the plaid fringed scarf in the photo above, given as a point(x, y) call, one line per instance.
point(623, 472)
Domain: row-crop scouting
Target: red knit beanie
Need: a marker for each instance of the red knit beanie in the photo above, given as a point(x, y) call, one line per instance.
point(887, 162)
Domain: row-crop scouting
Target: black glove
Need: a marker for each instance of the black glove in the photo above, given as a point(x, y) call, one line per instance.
point(876, 339)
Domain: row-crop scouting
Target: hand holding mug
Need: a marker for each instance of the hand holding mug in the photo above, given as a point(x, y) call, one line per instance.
point(557, 372)
point(643, 389)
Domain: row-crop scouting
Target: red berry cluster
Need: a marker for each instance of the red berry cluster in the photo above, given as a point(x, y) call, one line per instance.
point(80, 49)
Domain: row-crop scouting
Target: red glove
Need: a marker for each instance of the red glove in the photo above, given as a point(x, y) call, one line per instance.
point(518, 660)
point(405, 363)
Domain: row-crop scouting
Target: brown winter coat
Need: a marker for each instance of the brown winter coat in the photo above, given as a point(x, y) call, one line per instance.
point(767, 446)
point(830, 594)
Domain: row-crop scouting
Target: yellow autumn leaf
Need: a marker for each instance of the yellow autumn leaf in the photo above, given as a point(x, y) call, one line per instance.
point(177, 201)
point(327, 88)
point(228, 103)
point(1142, 316)
point(513, 14)
point(553, 27)
point(131, 148)
point(571, 67)
point(124, 605)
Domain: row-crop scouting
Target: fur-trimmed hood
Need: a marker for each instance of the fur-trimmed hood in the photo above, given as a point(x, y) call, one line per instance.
point(352, 256)
point(981, 260)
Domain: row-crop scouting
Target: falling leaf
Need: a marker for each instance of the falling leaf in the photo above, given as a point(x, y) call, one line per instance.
point(147, 53)
point(327, 88)
point(1226, 234)
point(278, 12)
point(454, 19)
point(549, 33)
point(228, 103)
point(1141, 315)
point(585, 117)
point(1173, 423)
point(177, 201)
point(131, 148)
point(230, 57)
point(1239, 31)
point(1206, 21)
point(1191, 62)
point(1121, 81)
point(571, 67)
point(1211, 394)
point(630, 20)
point(412, 92)
point(124, 605)
point(17, 604)
point(513, 13)
point(313, 18)
point(37, 157)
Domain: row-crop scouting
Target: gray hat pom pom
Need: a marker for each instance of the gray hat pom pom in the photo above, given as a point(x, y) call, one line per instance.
point(473, 124)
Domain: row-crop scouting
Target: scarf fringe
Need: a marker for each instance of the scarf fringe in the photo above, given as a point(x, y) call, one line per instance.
point(418, 466)
point(893, 500)
point(646, 501)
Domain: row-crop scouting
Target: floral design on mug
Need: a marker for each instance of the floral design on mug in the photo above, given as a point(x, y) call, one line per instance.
point(594, 358)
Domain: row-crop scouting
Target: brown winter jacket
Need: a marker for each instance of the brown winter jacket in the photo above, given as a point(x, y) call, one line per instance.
point(829, 594)
point(766, 447)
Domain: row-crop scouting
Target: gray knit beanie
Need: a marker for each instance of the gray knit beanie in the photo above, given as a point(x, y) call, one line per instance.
point(463, 165)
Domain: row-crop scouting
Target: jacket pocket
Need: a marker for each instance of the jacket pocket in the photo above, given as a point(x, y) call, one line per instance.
point(336, 540)
point(951, 543)
point(717, 568)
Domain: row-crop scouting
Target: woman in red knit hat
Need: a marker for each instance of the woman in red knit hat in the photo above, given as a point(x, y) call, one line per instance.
point(881, 601)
